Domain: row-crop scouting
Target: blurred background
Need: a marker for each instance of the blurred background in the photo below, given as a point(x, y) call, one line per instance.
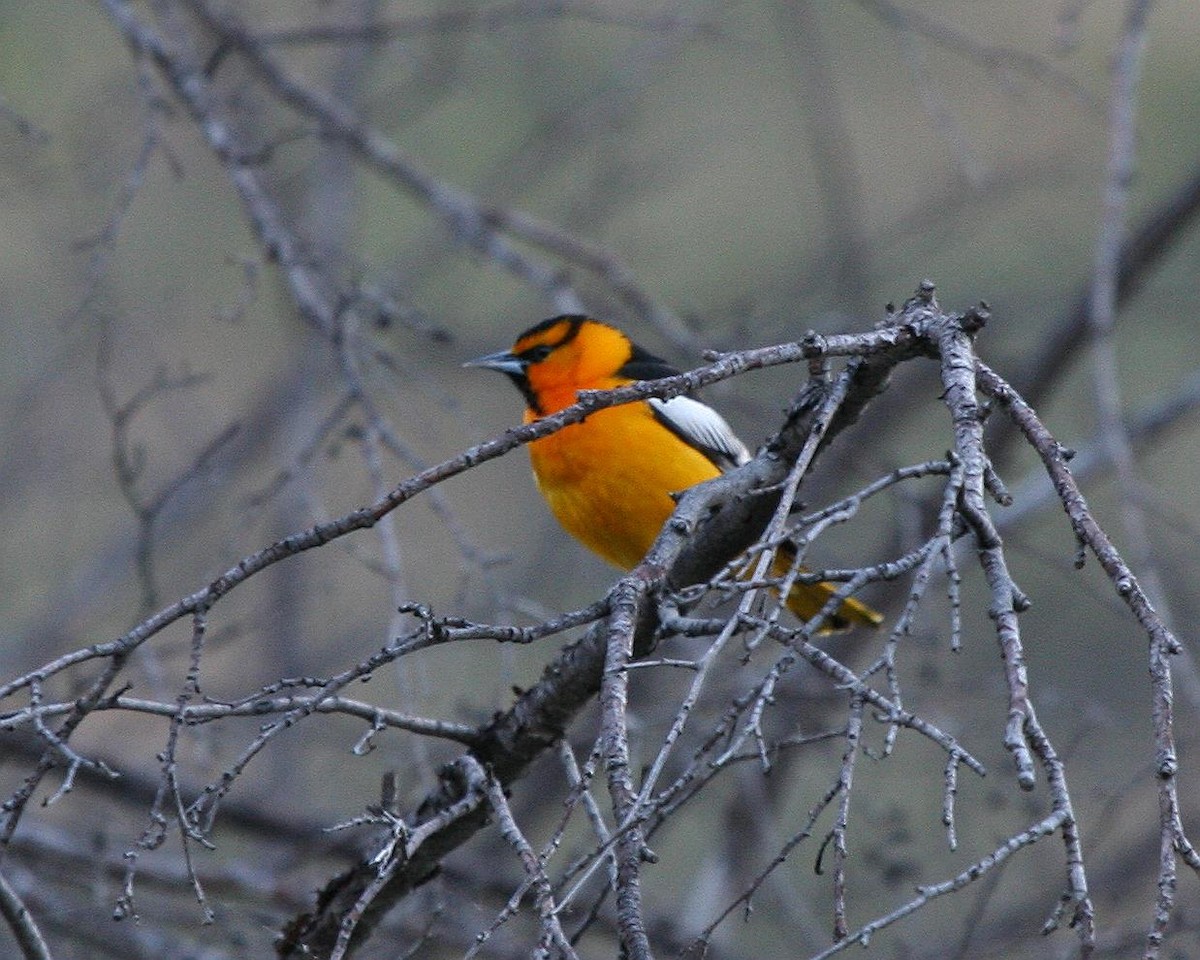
point(707, 176)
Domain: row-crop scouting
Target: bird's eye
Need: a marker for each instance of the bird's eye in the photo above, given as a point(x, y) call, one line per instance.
point(537, 354)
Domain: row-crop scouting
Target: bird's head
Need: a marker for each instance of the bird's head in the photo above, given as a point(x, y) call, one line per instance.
point(555, 359)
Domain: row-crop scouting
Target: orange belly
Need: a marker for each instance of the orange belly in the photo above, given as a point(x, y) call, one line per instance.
point(609, 479)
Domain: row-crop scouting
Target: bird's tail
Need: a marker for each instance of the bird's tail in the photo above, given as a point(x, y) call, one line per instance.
point(806, 599)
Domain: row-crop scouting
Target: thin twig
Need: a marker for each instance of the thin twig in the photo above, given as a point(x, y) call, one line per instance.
point(928, 892)
point(624, 615)
point(20, 922)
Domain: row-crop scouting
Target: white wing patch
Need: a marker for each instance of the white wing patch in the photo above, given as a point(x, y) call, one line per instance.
point(702, 427)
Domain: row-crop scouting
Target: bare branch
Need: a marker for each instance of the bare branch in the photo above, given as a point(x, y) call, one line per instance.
point(20, 922)
point(929, 892)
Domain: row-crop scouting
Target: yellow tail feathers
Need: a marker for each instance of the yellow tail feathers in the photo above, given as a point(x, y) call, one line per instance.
point(806, 599)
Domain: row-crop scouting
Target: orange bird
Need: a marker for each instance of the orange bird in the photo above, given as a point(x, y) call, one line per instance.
point(610, 480)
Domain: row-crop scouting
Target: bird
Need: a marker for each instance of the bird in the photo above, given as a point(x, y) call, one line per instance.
point(612, 479)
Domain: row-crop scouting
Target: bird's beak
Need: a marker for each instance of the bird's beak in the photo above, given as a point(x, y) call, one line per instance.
point(504, 362)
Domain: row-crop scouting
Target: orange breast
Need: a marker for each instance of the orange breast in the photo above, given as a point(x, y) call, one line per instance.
point(609, 479)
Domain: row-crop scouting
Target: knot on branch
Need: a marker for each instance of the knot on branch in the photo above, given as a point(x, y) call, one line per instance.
point(976, 318)
point(813, 345)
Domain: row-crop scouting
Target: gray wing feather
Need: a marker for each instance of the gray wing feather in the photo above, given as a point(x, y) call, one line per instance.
point(701, 426)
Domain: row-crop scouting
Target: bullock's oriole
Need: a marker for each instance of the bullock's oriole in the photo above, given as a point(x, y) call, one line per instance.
point(609, 479)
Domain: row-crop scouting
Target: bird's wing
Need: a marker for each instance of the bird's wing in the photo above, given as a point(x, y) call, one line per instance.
point(702, 427)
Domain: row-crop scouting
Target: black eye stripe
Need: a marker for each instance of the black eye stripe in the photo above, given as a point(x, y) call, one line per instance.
point(536, 354)
point(572, 323)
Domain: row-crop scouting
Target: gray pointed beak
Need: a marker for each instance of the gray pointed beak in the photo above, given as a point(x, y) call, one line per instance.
point(504, 362)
